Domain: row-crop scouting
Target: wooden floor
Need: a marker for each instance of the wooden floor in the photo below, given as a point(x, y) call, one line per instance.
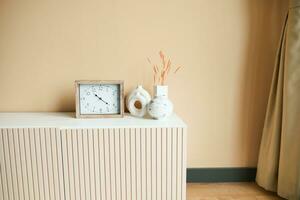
point(228, 191)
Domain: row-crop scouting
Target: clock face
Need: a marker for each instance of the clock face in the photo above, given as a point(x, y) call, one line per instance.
point(95, 99)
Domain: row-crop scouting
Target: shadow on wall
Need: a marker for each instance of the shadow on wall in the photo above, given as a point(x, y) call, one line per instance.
point(264, 27)
point(66, 102)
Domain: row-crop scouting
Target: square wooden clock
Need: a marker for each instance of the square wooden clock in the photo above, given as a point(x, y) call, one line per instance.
point(97, 99)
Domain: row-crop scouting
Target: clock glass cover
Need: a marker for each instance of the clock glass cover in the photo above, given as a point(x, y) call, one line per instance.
point(99, 99)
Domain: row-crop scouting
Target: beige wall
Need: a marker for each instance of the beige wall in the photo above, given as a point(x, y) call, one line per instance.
point(227, 49)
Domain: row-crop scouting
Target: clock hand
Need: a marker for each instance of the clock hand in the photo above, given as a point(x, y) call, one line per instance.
point(101, 99)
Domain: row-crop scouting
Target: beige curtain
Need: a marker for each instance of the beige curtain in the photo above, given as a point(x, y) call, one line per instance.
point(278, 167)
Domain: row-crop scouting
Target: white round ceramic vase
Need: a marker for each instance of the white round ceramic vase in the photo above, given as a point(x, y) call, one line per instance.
point(160, 106)
point(138, 95)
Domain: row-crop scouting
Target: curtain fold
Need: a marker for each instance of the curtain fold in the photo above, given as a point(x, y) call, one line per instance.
point(278, 167)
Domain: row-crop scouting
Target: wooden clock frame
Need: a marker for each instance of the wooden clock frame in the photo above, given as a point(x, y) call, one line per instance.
point(110, 82)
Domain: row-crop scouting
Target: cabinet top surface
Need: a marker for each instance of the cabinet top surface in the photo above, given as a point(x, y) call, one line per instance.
point(68, 120)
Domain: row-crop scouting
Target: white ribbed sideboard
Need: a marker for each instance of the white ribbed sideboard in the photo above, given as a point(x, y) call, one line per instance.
point(56, 156)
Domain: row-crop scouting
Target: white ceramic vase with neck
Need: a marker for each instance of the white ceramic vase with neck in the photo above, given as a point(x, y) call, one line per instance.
point(160, 106)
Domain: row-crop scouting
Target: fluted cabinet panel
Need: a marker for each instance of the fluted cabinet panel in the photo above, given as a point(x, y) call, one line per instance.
point(124, 163)
point(31, 163)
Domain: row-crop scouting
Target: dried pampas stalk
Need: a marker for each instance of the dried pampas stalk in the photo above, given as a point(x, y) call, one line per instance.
point(162, 57)
point(177, 69)
point(155, 69)
point(168, 66)
point(154, 76)
point(166, 71)
point(161, 74)
point(149, 61)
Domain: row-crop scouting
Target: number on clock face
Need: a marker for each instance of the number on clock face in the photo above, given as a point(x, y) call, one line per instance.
point(99, 98)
